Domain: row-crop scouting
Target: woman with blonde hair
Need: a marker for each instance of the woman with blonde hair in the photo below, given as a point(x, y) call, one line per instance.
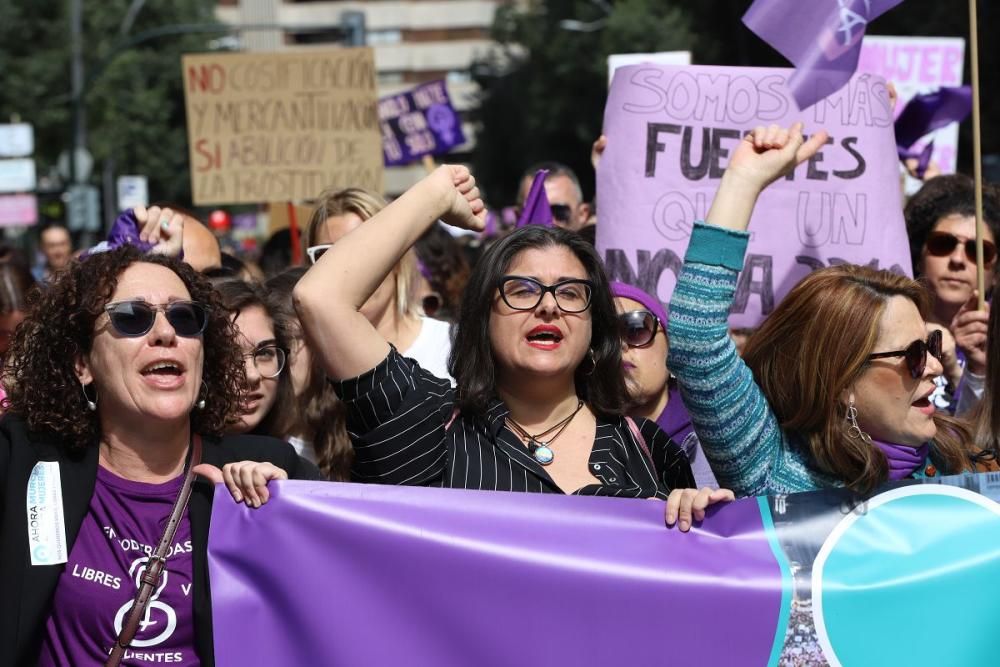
point(833, 389)
point(393, 309)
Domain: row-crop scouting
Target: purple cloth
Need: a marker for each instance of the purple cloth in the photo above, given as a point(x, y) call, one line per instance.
point(123, 524)
point(903, 460)
point(676, 422)
point(931, 111)
point(536, 205)
point(651, 303)
point(350, 574)
point(926, 113)
point(822, 38)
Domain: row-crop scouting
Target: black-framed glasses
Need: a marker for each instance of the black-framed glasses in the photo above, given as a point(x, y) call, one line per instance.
point(136, 318)
point(314, 252)
point(638, 327)
point(942, 244)
point(523, 293)
point(916, 353)
point(269, 360)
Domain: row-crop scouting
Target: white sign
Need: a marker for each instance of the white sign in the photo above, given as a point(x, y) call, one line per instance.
point(919, 65)
point(17, 140)
point(663, 58)
point(17, 175)
point(132, 191)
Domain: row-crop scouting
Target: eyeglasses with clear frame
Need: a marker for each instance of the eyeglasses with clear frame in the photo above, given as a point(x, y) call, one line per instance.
point(523, 293)
point(269, 360)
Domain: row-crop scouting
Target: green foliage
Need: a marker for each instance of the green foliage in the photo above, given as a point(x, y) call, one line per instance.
point(134, 100)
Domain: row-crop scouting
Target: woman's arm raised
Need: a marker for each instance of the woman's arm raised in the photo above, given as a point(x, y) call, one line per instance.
point(329, 296)
point(764, 156)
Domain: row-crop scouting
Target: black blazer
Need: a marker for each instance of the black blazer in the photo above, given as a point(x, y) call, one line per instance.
point(27, 591)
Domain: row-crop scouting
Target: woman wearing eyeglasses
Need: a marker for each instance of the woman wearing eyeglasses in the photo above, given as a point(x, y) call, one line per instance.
point(643, 324)
point(269, 401)
point(833, 388)
point(941, 224)
point(537, 360)
point(394, 308)
point(123, 370)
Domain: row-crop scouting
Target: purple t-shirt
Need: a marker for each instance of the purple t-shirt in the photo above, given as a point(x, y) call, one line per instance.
point(122, 527)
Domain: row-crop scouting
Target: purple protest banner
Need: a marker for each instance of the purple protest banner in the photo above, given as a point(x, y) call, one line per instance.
point(345, 574)
point(348, 574)
point(418, 122)
point(670, 134)
point(822, 38)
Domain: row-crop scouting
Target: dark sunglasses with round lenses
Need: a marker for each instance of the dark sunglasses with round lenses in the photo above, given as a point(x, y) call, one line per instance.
point(916, 353)
point(638, 327)
point(523, 293)
point(136, 318)
point(942, 244)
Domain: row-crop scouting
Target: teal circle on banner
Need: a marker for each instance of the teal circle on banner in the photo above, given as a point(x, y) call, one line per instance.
point(914, 579)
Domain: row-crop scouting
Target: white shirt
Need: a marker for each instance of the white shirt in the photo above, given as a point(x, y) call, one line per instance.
point(432, 347)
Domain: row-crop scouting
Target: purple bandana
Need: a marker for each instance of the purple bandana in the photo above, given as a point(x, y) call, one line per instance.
point(903, 460)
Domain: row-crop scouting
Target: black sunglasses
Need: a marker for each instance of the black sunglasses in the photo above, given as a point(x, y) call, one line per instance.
point(523, 293)
point(136, 318)
point(942, 244)
point(638, 327)
point(916, 353)
point(561, 212)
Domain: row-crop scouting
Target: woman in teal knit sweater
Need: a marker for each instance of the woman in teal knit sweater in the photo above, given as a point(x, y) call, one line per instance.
point(832, 389)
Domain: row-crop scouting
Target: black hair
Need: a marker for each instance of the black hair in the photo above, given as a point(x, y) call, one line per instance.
point(276, 254)
point(471, 361)
point(951, 194)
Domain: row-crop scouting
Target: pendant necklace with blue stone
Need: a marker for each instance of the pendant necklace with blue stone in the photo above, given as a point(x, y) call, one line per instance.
point(538, 448)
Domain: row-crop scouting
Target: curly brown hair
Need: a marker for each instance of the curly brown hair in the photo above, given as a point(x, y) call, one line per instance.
point(39, 371)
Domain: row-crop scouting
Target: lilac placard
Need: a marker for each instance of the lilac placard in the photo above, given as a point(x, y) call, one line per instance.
point(348, 574)
point(419, 122)
point(670, 133)
point(18, 210)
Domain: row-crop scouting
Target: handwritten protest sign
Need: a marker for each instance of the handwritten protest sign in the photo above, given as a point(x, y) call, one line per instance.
point(670, 133)
point(281, 126)
point(419, 122)
point(919, 65)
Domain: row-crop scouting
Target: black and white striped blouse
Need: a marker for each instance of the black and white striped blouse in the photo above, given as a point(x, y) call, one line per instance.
point(397, 417)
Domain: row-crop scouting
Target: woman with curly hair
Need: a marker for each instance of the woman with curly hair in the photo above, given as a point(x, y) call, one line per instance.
point(941, 225)
point(124, 369)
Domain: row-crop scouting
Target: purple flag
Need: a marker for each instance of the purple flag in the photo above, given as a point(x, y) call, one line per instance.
point(932, 111)
point(536, 205)
point(822, 38)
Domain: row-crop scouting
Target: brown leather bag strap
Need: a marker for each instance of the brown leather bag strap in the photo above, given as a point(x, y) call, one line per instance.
point(154, 566)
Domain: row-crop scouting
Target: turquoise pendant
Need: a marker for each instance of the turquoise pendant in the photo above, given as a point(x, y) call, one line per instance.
point(542, 452)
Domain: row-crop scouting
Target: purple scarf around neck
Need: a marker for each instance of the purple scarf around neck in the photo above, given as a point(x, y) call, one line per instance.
point(903, 460)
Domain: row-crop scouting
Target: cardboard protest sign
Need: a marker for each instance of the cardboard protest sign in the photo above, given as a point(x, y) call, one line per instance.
point(919, 65)
point(281, 126)
point(670, 133)
point(419, 122)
